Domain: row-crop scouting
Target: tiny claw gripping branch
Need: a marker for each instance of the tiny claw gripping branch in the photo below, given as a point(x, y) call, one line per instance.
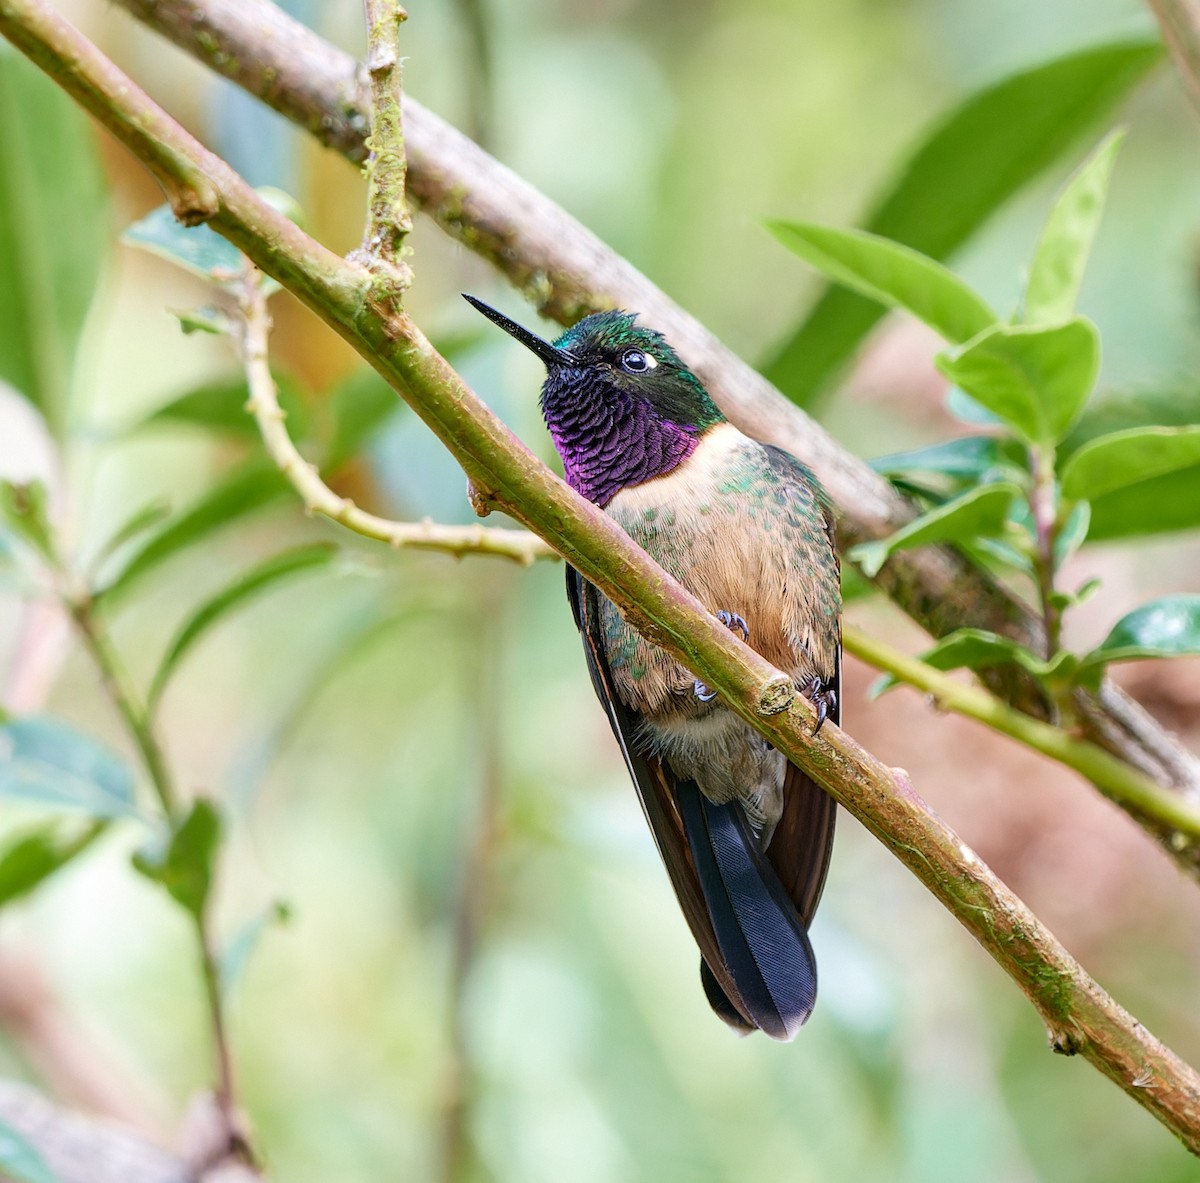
point(735, 623)
point(823, 698)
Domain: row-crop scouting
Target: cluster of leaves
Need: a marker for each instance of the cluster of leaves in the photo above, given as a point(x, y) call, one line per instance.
point(1015, 493)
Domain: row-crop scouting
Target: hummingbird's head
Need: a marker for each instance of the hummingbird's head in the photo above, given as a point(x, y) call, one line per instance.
point(621, 406)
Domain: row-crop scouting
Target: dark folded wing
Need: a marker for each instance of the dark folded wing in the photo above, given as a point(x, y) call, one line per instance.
point(803, 840)
point(655, 787)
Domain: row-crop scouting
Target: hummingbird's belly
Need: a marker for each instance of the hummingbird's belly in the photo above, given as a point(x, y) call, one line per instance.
point(723, 525)
point(727, 759)
point(720, 524)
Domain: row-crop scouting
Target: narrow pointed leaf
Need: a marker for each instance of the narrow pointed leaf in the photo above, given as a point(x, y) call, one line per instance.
point(53, 233)
point(1073, 534)
point(221, 406)
point(1169, 627)
point(246, 586)
point(1036, 379)
point(982, 512)
point(1062, 253)
point(138, 523)
point(236, 495)
point(965, 169)
point(1127, 458)
point(233, 959)
point(31, 858)
point(967, 456)
point(46, 761)
point(25, 509)
point(893, 274)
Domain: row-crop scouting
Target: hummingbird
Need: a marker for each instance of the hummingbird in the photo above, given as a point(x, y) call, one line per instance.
point(744, 834)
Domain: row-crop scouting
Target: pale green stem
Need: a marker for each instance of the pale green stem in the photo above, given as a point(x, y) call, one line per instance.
point(1114, 778)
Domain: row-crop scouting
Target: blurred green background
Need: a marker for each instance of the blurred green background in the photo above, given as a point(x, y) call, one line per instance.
point(408, 745)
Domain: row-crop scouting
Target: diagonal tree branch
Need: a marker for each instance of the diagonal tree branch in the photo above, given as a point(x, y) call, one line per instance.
point(1081, 1017)
point(566, 271)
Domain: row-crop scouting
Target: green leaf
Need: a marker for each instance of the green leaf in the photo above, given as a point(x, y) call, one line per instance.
point(186, 866)
point(20, 1160)
point(1169, 627)
point(198, 249)
point(1157, 506)
point(893, 274)
point(1062, 253)
point(974, 648)
point(231, 963)
point(1073, 533)
point(31, 858)
point(251, 583)
point(24, 508)
point(981, 512)
point(247, 489)
point(359, 407)
point(1036, 379)
point(1165, 404)
point(1127, 458)
point(135, 525)
point(967, 456)
point(964, 170)
point(48, 762)
point(54, 234)
point(221, 406)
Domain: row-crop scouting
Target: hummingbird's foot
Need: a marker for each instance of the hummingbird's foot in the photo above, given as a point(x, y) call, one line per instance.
point(823, 698)
point(731, 620)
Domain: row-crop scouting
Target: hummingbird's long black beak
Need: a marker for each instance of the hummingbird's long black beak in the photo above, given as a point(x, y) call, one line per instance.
point(547, 352)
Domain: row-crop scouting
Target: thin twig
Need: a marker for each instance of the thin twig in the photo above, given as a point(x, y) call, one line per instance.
point(126, 699)
point(1121, 783)
point(388, 219)
point(234, 1140)
point(519, 545)
point(1081, 1017)
point(1044, 507)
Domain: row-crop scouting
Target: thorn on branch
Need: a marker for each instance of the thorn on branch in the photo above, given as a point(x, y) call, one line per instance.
point(482, 500)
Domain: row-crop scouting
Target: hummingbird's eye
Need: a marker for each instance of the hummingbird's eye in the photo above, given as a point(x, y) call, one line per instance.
point(636, 361)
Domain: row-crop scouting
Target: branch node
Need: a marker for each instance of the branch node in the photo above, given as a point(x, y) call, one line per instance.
point(193, 202)
point(775, 696)
point(482, 500)
point(1064, 1043)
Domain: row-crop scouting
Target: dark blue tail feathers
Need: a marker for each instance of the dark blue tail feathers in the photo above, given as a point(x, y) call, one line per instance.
point(759, 932)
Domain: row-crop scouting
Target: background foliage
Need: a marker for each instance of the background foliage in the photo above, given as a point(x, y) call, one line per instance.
point(402, 745)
